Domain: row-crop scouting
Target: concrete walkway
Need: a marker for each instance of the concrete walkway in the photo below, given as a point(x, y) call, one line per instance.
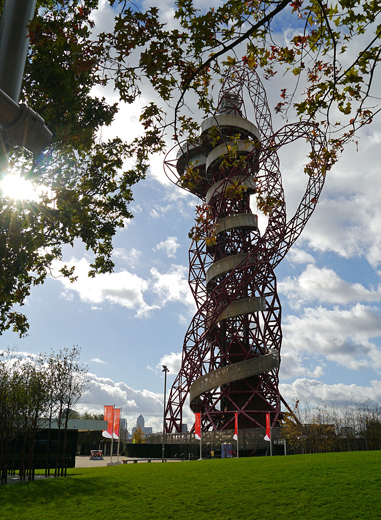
point(85, 462)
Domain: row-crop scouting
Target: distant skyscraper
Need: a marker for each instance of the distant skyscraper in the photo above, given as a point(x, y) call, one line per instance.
point(123, 430)
point(140, 422)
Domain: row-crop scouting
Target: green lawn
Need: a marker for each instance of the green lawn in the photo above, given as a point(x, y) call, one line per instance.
point(306, 487)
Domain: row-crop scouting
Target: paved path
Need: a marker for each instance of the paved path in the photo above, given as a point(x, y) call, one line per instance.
point(85, 462)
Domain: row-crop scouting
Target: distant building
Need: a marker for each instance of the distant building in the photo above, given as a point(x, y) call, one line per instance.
point(123, 430)
point(140, 422)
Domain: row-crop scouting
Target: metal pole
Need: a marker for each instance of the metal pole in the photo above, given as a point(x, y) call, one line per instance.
point(14, 43)
point(112, 432)
point(120, 418)
point(237, 430)
point(165, 370)
point(271, 445)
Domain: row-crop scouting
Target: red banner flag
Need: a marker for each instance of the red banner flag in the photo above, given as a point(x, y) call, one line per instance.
point(235, 436)
point(116, 422)
point(197, 426)
point(107, 416)
point(267, 437)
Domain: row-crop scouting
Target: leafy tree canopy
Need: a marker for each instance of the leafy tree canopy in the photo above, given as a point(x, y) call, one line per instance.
point(324, 66)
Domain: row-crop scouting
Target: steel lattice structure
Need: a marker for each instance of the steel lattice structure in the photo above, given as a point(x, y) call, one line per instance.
point(231, 352)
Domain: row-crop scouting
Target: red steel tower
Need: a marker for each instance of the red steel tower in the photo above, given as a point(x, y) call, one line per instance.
point(231, 352)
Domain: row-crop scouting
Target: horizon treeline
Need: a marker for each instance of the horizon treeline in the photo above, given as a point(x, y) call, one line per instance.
point(326, 428)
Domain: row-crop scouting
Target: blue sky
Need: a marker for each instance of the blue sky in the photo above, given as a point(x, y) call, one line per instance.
point(130, 322)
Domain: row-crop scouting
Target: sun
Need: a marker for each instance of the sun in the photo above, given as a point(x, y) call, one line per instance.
point(16, 187)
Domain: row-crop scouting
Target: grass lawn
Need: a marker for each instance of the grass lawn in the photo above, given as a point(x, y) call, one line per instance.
point(307, 487)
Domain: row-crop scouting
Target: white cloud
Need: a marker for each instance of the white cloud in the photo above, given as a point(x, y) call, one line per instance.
point(182, 197)
point(172, 361)
point(348, 217)
point(68, 296)
point(122, 288)
point(103, 391)
point(128, 290)
point(298, 256)
point(131, 257)
point(97, 360)
point(315, 392)
point(341, 336)
point(158, 211)
point(103, 17)
point(324, 285)
point(154, 213)
point(183, 320)
point(348, 225)
point(294, 365)
point(137, 209)
point(172, 286)
point(169, 245)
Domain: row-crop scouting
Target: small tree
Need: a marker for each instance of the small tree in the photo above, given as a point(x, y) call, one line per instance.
point(138, 437)
point(70, 383)
point(91, 416)
point(9, 405)
point(23, 401)
point(309, 430)
point(292, 429)
point(369, 425)
point(37, 402)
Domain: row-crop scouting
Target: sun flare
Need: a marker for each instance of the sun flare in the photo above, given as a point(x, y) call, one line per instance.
point(16, 187)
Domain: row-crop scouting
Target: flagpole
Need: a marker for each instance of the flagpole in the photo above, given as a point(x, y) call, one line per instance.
point(198, 431)
point(268, 432)
point(112, 432)
point(201, 445)
point(236, 433)
point(117, 452)
point(271, 444)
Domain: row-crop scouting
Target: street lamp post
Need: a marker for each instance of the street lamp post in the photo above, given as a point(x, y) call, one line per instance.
point(165, 370)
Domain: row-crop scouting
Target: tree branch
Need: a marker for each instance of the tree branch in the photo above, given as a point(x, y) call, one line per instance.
point(212, 58)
